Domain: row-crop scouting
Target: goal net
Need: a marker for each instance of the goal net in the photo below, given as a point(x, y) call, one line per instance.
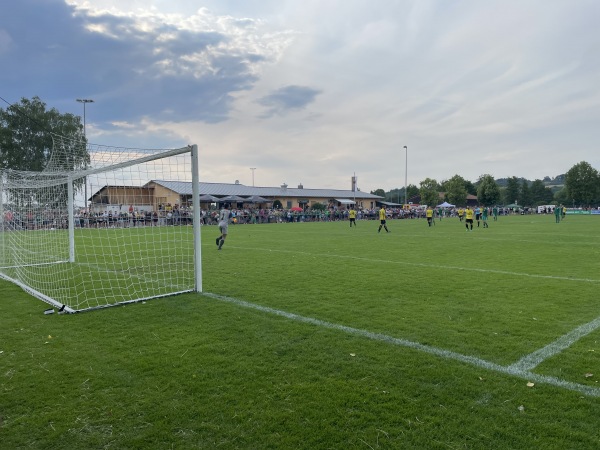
point(121, 229)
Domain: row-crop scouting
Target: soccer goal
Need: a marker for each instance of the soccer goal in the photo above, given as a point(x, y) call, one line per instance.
point(106, 234)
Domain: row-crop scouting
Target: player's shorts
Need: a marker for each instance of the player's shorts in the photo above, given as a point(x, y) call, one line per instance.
point(352, 220)
point(477, 216)
point(383, 222)
point(469, 221)
point(224, 227)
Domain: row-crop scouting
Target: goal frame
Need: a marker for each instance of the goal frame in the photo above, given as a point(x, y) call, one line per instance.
point(70, 178)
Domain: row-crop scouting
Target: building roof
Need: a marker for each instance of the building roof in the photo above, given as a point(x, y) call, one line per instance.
point(225, 189)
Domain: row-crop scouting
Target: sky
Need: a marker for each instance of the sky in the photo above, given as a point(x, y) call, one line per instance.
point(312, 92)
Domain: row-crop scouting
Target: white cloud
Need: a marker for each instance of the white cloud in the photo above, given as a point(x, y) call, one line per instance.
point(471, 87)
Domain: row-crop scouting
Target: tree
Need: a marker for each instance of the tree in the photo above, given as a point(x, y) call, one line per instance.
point(470, 187)
point(395, 195)
point(429, 192)
point(413, 191)
point(456, 191)
point(540, 194)
point(379, 192)
point(583, 184)
point(511, 193)
point(28, 133)
point(26, 137)
point(562, 197)
point(525, 194)
point(488, 192)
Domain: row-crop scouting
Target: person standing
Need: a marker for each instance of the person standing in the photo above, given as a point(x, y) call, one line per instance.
point(469, 218)
point(557, 213)
point(484, 217)
point(382, 222)
point(352, 216)
point(429, 215)
point(495, 213)
point(224, 216)
point(461, 214)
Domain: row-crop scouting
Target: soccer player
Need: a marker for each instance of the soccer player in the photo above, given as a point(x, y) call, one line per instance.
point(352, 216)
point(429, 215)
point(223, 225)
point(469, 218)
point(461, 214)
point(382, 220)
point(484, 217)
point(495, 213)
point(557, 213)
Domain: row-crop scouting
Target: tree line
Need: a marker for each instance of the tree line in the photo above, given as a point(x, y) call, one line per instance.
point(580, 188)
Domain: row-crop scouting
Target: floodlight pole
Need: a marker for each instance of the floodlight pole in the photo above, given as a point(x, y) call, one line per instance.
point(252, 169)
point(406, 176)
point(85, 101)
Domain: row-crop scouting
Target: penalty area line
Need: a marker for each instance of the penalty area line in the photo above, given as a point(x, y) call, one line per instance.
point(531, 361)
point(514, 370)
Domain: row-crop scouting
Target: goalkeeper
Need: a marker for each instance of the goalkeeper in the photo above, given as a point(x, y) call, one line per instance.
point(223, 225)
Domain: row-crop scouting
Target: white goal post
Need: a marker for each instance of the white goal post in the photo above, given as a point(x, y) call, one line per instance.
point(131, 239)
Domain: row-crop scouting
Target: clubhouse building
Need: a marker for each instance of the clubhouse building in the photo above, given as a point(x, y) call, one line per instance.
point(153, 195)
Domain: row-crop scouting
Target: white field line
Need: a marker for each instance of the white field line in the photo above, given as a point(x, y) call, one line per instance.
point(532, 360)
point(431, 266)
point(512, 370)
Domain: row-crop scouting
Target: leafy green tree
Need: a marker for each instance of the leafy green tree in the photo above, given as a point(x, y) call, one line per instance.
point(33, 138)
point(379, 192)
point(525, 194)
point(395, 195)
point(562, 197)
point(488, 192)
point(413, 191)
point(26, 137)
point(583, 184)
point(456, 191)
point(470, 187)
point(540, 194)
point(512, 191)
point(430, 192)
point(318, 207)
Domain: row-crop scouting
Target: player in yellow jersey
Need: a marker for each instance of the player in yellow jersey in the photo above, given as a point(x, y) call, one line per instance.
point(382, 220)
point(461, 214)
point(469, 218)
point(352, 216)
point(429, 215)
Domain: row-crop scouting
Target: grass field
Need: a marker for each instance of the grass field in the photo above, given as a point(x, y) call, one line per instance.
point(316, 335)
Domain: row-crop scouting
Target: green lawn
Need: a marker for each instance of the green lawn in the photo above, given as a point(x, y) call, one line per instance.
point(317, 335)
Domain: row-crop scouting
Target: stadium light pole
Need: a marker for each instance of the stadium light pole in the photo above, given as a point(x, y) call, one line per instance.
point(85, 101)
point(252, 169)
point(406, 176)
